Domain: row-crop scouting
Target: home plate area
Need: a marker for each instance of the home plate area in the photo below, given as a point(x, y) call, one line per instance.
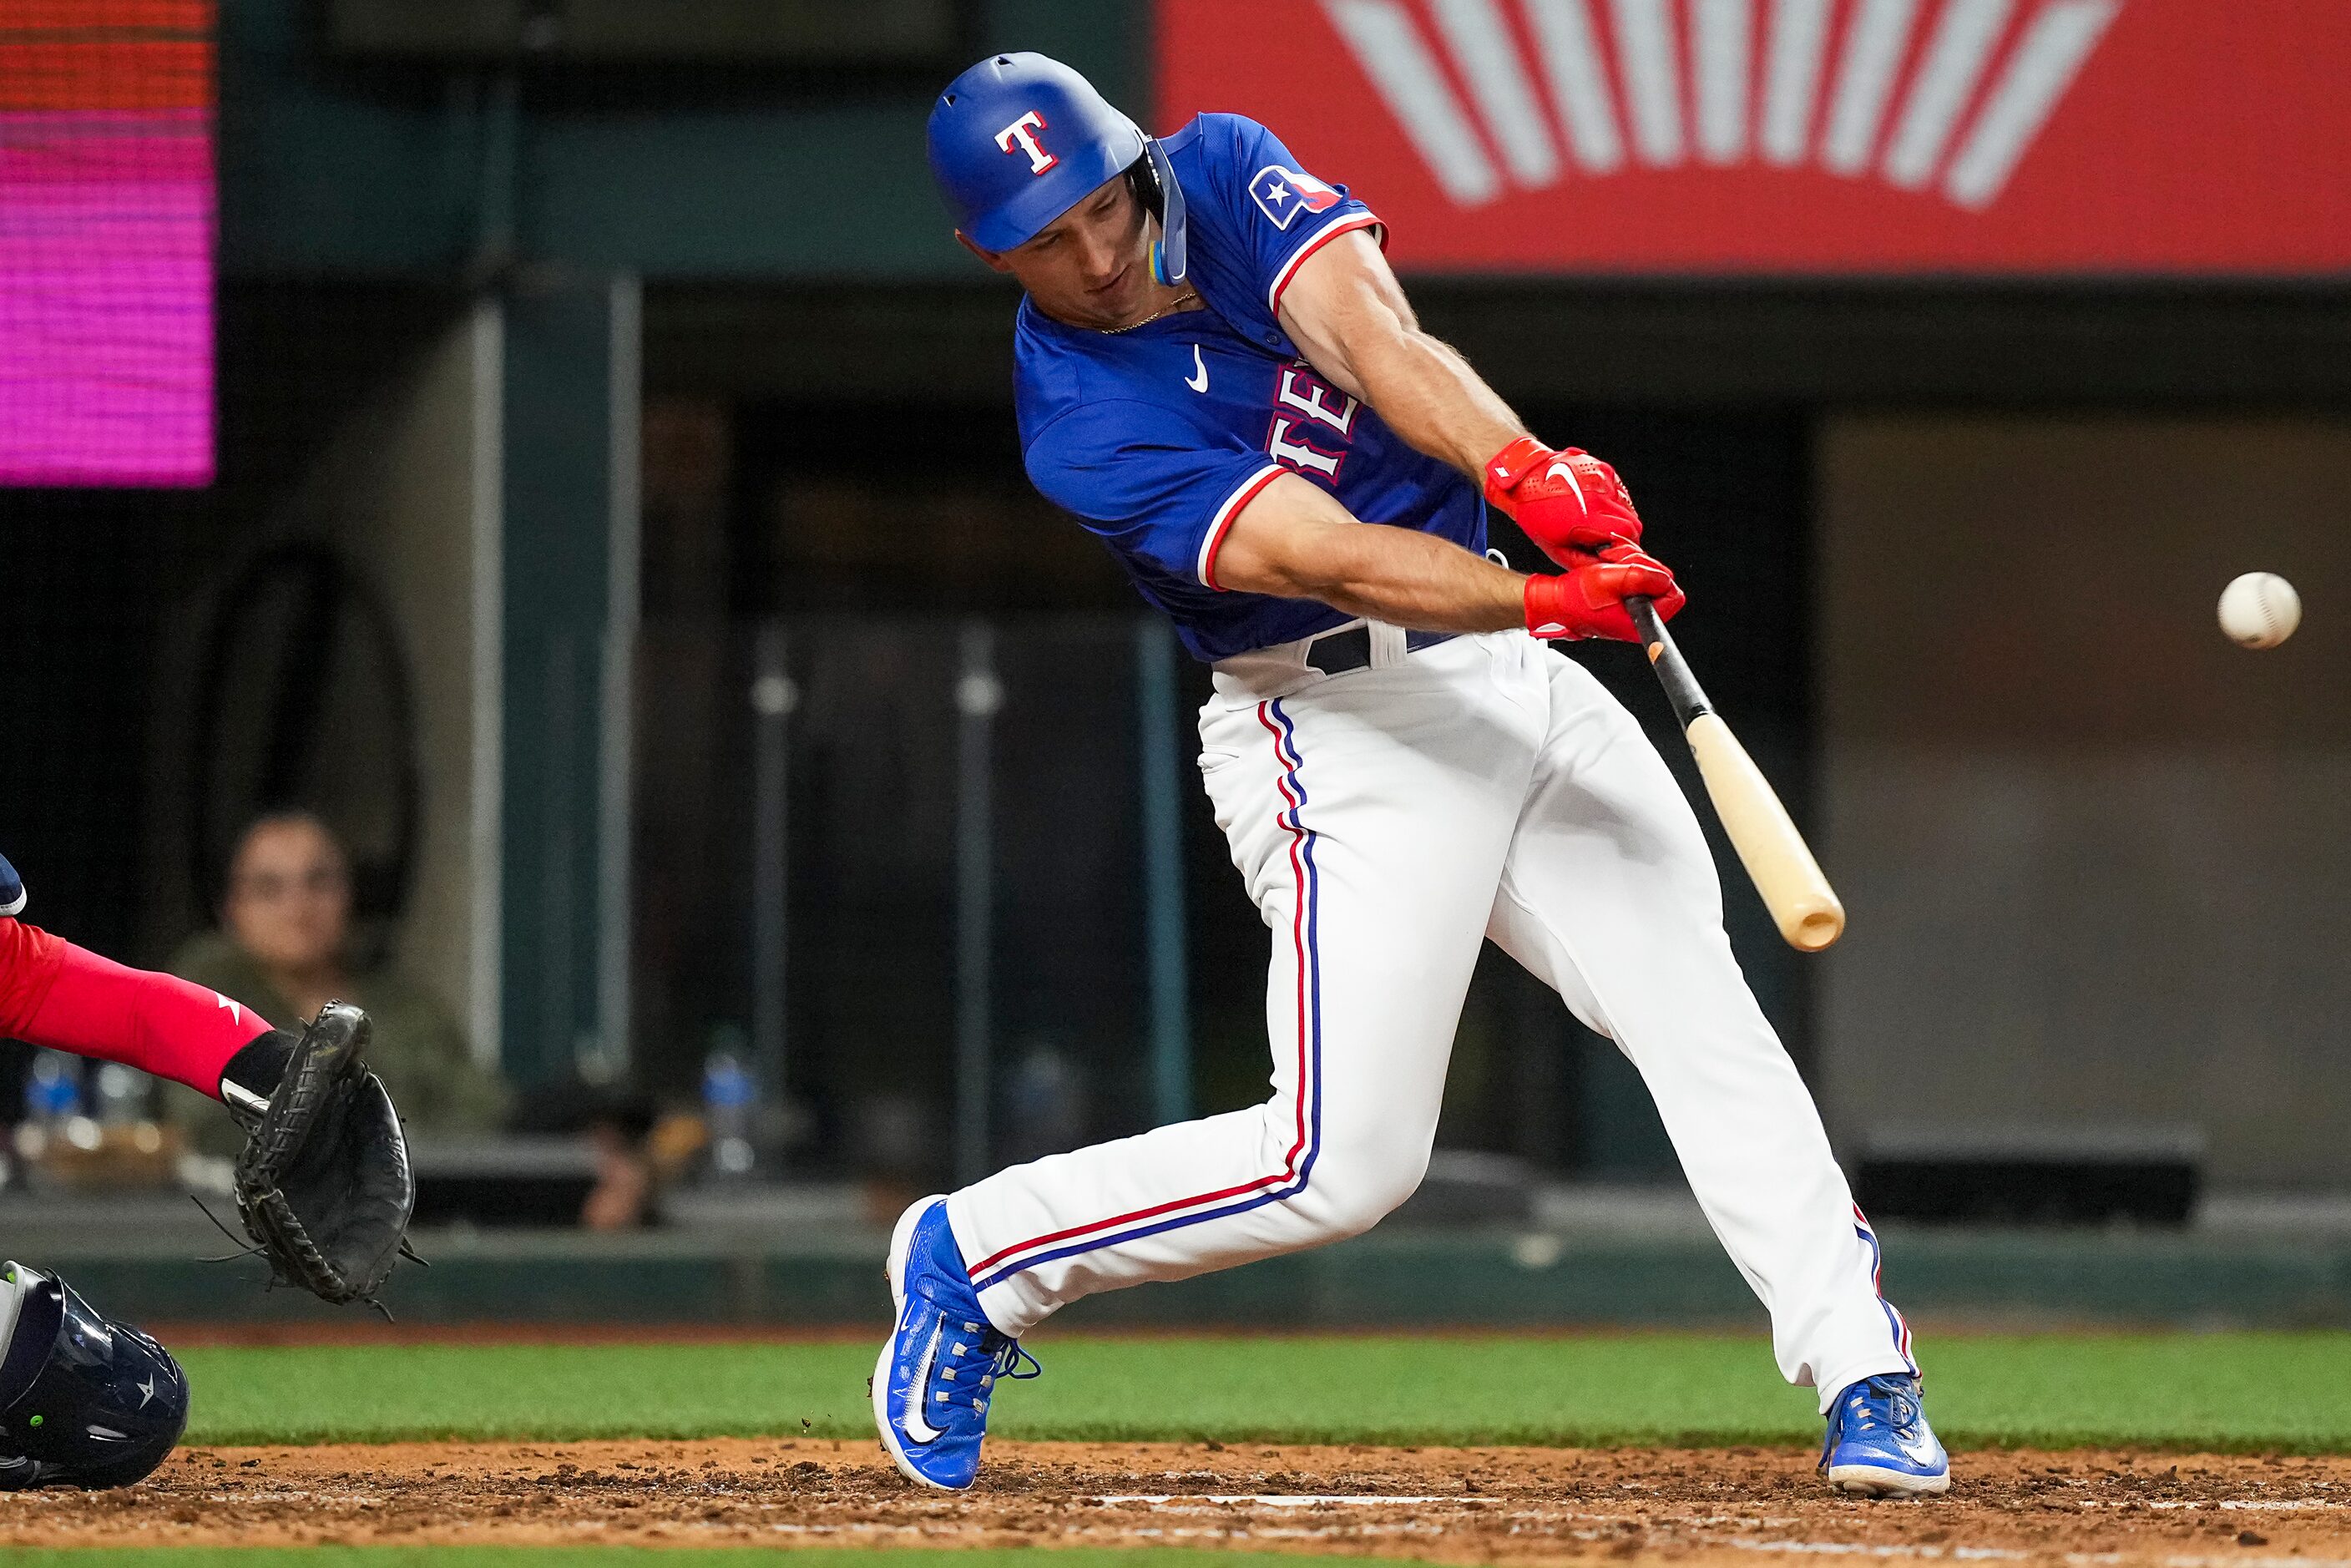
point(1447, 1505)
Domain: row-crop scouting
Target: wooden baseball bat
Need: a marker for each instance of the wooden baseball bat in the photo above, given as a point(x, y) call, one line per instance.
point(1781, 866)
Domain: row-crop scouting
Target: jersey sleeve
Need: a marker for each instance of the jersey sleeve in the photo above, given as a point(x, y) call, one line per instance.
point(1275, 211)
point(1159, 490)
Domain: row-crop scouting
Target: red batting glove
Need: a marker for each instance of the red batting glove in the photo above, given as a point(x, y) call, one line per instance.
point(1589, 600)
point(1567, 502)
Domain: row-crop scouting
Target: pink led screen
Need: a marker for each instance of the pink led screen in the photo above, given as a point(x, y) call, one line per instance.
point(106, 242)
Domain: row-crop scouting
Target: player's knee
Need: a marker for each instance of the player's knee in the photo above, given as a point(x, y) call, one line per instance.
point(85, 1401)
point(1354, 1186)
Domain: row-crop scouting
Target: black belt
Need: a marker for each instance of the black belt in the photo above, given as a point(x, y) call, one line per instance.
point(1336, 652)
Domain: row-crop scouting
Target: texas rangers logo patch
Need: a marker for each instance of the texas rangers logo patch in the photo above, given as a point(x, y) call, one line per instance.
point(1283, 194)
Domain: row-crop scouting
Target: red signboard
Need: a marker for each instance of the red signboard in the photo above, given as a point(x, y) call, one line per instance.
point(1803, 136)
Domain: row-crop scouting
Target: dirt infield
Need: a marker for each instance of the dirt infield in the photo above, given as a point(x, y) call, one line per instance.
point(1480, 1505)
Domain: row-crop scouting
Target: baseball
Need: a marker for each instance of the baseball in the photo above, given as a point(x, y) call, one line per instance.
point(2260, 610)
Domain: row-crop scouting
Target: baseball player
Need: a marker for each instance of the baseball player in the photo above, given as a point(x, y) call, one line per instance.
point(1216, 374)
point(87, 1401)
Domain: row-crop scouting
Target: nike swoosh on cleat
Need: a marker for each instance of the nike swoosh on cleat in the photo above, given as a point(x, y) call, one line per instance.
point(1198, 379)
point(1920, 1449)
point(918, 1429)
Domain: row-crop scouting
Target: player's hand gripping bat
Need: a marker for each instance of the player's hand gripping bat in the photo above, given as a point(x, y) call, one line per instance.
point(1801, 901)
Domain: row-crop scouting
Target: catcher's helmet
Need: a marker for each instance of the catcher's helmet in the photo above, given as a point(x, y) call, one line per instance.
point(84, 1401)
point(1019, 140)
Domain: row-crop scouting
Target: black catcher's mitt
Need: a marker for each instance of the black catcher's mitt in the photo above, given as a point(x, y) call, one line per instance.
point(323, 1186)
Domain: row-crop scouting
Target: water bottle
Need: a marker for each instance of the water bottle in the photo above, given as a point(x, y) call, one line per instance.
point(52, 1091)
point(121, 1096)
point(729, 1094)
point(52, 1106)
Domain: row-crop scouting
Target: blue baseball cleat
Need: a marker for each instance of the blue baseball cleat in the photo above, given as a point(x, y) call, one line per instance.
point(939, 1369)
point(12, 889)
point(1879, 1444)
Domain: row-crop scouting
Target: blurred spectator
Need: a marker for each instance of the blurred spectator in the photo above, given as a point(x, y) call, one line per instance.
point(285, 950)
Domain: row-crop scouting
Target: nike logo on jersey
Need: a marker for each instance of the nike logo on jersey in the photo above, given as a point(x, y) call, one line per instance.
point(235, 1013)
point(1198, 379)
point(918, 1429)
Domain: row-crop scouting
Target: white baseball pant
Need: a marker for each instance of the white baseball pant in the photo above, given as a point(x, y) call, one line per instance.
point(1387, 820)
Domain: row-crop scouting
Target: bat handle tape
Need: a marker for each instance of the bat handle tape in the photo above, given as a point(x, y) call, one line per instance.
point(1689, 698)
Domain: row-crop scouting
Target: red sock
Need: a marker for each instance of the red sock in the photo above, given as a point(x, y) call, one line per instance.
point(65, 998)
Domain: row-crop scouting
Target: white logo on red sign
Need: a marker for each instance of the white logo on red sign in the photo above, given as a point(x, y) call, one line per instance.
point(1976, 94)
point(1023, 132)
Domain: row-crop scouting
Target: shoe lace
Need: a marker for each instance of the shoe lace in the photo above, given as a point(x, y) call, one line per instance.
point(1881, 1402)
point(1009, 1360)
point(999, 1357)
point(1874, 1403)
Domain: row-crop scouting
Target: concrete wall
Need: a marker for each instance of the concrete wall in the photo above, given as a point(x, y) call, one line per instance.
point(328, 168)
point(420, 533)
point(2097, 857)
point(402, 483)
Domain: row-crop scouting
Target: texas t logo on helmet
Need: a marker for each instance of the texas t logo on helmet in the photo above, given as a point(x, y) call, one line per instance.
point(993, 116)
point(1023, 131)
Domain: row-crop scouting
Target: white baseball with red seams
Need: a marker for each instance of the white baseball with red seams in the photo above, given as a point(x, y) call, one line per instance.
point(2260, 610)
point(1387, 820)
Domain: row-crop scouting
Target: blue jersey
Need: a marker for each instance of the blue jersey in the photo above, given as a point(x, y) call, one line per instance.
point(1157, 437)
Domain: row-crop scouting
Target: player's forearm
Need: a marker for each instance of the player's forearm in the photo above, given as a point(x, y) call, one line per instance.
point(1350, 318)
point(1435, 399)
point(1428, 585)
point(1391, 575)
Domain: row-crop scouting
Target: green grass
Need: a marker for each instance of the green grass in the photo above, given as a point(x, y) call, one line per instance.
point(2229, 1390)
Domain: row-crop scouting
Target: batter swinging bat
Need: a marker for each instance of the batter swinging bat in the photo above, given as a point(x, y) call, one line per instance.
point(1801, 901)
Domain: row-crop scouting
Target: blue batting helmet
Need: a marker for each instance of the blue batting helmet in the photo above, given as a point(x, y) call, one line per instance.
point(1019, 139)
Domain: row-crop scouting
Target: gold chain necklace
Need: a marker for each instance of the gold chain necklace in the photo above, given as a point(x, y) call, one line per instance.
point(1189, 296)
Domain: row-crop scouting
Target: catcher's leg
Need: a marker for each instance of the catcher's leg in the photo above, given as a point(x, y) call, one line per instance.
point(68, 998)
point(85, 1400)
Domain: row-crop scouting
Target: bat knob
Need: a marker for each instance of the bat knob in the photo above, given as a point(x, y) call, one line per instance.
point(1815, 929)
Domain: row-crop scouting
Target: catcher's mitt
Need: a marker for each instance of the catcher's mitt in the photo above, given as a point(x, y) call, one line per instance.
point(323, 1186)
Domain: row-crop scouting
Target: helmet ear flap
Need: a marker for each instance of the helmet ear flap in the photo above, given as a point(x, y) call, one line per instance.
point(1168, 254)
point(1144, 177)
point(1143, 180)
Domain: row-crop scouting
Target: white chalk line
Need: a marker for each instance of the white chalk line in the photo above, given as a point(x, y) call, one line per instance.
point(1798, 1548)
point(1281, 1499)
point(2013, 1554)
point(1864, 1549)
point(2234, 1505)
